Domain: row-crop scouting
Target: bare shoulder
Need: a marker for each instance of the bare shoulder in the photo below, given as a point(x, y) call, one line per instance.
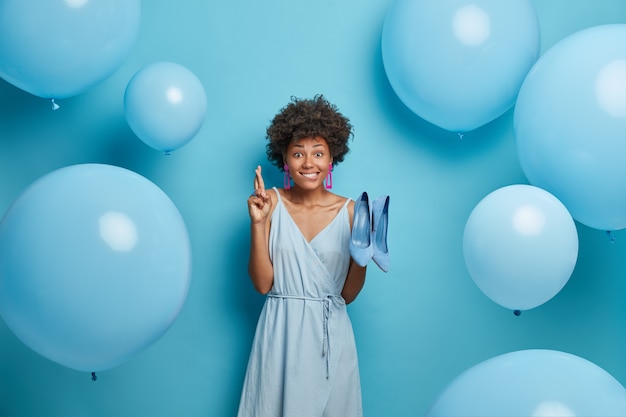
point(272, 195)
point(339, 201)
point(351, 211)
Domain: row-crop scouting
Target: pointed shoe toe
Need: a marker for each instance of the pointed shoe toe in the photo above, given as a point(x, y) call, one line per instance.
point(380, 214)
point(361, 248)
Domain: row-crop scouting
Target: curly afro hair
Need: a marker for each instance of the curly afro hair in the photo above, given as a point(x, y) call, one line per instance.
point(306, 118)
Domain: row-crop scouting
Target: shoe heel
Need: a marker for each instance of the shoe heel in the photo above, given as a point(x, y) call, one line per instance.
point(361, 247)
point(380, 214)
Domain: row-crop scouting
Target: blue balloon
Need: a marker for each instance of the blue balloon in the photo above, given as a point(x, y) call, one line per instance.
point(535, 382)
point(569, 124)
point(58, 49)
point(95, 265)
point(165, 105)
point(459, 64)
point(520, 246)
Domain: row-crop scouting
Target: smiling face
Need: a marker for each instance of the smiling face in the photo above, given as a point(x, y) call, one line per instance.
point(308, 160)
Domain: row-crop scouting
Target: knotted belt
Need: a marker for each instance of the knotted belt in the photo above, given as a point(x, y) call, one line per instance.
point(326, 317)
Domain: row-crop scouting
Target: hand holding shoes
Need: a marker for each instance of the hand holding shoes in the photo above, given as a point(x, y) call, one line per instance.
point(369, 232)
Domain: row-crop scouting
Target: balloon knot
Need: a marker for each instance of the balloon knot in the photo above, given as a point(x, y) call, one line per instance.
point(55, 106)
point(611, 236)
point(94, 377)
point(517, 312)
point(460, 136)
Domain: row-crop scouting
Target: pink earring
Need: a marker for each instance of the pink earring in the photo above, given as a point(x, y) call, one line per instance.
point(286, 177)
point(329, 177)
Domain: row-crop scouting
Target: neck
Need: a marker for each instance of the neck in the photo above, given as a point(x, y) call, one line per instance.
point(302, 196)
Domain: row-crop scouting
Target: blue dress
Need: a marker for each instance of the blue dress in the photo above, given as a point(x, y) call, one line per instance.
point(303, 361)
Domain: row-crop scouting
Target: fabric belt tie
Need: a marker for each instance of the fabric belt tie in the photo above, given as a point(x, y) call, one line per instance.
point(326, 317)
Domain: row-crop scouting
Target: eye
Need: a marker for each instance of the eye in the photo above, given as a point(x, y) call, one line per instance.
point(297, 155)
point(319, 154)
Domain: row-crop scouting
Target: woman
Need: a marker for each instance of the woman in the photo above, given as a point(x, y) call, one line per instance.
point(303, 361)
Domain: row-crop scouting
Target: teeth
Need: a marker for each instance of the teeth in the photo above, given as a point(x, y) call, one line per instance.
point(309, 175)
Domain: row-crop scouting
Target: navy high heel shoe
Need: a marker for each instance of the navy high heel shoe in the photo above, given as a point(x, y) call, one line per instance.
point(361, 248)
point(380, 214)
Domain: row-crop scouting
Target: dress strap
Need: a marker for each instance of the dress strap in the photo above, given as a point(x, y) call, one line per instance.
point(277, 193)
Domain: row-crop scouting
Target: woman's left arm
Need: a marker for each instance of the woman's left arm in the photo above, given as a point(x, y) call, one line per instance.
point(354, 282)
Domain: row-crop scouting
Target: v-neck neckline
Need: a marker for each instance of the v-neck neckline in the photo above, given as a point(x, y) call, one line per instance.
point(323, 229)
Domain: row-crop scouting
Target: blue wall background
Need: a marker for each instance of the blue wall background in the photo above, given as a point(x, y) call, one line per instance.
point(418, 326)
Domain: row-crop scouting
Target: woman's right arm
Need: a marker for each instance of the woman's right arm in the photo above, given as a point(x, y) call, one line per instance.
point(260, 266)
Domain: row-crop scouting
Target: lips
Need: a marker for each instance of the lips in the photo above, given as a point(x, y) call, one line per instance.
point(311, 175)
